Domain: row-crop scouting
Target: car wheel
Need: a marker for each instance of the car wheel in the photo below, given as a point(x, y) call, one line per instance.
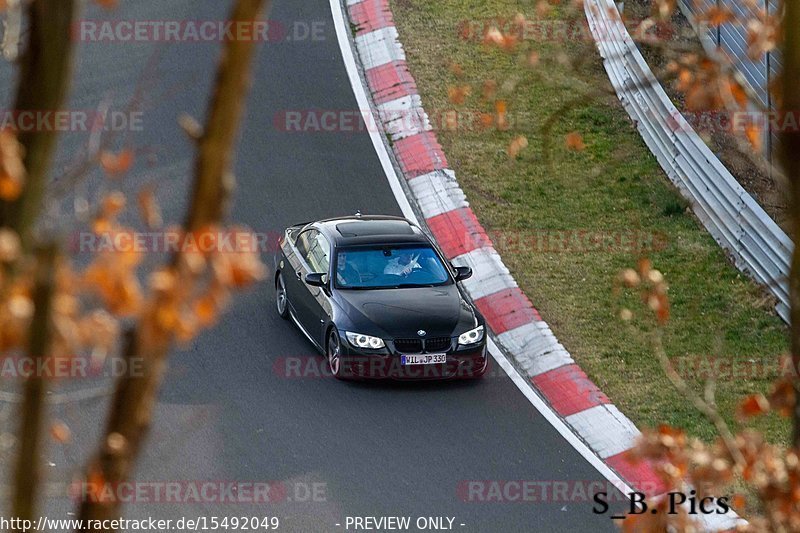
point(335, 355)
point(281, 298)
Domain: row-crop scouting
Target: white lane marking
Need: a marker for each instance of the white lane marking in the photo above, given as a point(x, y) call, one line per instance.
point(521, 383)
point(563, 429)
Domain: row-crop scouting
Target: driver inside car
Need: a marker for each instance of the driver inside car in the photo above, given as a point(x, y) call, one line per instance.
point(346, 273)
point(402, 265)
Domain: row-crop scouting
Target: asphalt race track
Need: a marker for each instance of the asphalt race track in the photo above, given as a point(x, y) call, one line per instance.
point(229, 410)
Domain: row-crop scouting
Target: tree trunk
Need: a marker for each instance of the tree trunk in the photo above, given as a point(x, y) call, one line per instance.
point(43, 85)
point(135, 397)
point(790, 148)
point(27, 473)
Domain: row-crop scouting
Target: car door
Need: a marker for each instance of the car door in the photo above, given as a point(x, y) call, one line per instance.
point(319, 304)
point(314, 256)
point(293, 271)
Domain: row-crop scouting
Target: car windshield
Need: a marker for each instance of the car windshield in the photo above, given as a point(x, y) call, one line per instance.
point(389, 267)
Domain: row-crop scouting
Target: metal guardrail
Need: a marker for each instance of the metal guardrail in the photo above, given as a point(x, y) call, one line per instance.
point(755, 242)
point(731, 38)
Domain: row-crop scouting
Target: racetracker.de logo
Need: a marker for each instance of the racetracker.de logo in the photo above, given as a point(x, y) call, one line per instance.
point(175, 240)
point(196, 31)
point(540, 491)
point(69, 367)
point(564, 31)
point(74, 120)
point(199, 491)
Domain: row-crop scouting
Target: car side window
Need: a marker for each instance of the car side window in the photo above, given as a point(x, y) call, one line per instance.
point(319, 254)
point(314, 248)
point(303, 242)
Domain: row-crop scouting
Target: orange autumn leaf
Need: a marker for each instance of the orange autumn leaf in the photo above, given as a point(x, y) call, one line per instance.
point(501, 108)
point(246, 269)
point(10, 245)
point(762, 36)
point(685, 79)
point(205, 309)
point(644, 265)
point(149, 208)
point(662, 310)
point(12, 169)
point(493, 36)
point(782, 397)
point(113, 203)
point(116, 164)
point(102, 226)
point(450, 120)
point(458, 93)
point(737, 92)
point(60, 432)
point(95, 482)
point(456, 70)
point(753, 134)
point(489, 89)
point(167, 317)
point(542, 9)
point(186, 328)
point(664, 8)
point(574, 141)
point(753, 405)
point(516, 146)
point(716, 16)
point(738, 501)
point(465, 31)
point(533, 58)
point(114, 281)
point(671, 436)
point(486, 120)
point(630, 278)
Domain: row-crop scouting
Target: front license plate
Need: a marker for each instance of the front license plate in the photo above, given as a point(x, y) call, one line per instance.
point(423, 359)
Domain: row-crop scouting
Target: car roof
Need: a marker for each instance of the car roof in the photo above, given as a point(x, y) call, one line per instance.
point(371, 229)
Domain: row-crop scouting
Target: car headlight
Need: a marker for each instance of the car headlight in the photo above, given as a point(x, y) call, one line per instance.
point(364, 341)
point(471, 337)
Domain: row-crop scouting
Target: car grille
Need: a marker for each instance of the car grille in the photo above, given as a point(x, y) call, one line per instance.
point(434, 344)
point(408, 345)
point(437, 344)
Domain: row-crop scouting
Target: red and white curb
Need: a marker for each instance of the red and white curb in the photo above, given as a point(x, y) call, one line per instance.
point(517, 326)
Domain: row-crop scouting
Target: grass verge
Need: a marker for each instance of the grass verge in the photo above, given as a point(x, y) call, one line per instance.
point(721, 323)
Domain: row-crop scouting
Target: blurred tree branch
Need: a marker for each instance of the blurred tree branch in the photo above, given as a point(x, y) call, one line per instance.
point(136, 395)
point(790, 148)
point(43, 85)
point(26, 476)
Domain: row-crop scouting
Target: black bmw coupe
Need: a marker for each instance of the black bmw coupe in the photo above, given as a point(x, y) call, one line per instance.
point(375, 295)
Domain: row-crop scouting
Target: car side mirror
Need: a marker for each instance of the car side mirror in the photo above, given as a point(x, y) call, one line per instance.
point(317, 279)
point(463, 272)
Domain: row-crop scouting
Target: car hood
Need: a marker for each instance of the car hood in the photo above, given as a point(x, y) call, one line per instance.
point(399, 313)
